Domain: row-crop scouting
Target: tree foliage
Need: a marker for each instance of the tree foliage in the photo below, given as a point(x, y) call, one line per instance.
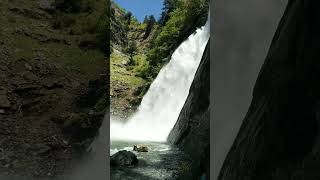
point(128, 17)
point(168, 7)
point(149, 21)
point(132, 48)
point(184, 17)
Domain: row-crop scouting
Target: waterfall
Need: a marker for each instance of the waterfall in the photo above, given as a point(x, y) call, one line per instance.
point(161, 105)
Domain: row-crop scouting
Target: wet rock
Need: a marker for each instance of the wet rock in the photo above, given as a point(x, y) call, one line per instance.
point(192, 128)
point(140, 148)
point(123, 158)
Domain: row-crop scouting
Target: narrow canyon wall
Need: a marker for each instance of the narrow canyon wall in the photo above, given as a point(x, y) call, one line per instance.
point(279, 137)
point(192, 130)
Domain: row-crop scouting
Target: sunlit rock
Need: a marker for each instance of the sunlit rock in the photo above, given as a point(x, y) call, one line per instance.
point(140, 148)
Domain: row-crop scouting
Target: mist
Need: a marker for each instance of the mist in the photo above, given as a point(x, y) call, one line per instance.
point(96, 164)
point(243, 31)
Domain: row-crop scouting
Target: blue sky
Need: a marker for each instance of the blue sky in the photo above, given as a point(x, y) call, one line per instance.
point(141, 8)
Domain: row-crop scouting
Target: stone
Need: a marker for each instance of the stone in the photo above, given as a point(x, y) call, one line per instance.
point(28, 66)
point(123, 158)
point(4, 101)
point(140, 148)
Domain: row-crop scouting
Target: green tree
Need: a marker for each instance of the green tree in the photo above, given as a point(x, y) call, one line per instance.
point(185, 16)
point(128, 17)
point(150, 23)
point(168, 7)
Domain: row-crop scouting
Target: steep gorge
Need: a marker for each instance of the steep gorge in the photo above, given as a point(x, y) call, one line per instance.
point(279, 137)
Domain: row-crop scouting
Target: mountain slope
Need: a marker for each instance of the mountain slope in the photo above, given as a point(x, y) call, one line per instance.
point(51, 81)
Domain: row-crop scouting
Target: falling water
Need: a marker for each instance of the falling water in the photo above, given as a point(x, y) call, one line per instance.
point(160, 107)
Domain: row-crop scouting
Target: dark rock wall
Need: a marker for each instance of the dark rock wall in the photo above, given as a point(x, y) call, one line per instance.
point(279, 137)
point(192, 131)
point(243, 32)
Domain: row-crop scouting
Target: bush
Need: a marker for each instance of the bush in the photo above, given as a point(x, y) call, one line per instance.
point(132, 48)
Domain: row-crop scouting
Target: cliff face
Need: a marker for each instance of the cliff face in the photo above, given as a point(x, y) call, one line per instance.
point(51, 86)
point(279, 137)
point(192, 130)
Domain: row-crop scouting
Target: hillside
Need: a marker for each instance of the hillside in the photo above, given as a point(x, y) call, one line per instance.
point(52, 84)
point(140, 49)
point(128, 56)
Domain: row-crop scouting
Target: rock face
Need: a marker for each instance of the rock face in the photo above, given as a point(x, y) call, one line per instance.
point(123, 158)
point(51, 90)
point(279, 137)
point(192, 130)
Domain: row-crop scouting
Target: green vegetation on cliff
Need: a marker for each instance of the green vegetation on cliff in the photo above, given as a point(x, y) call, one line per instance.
point(140, 50)
point(180, 18)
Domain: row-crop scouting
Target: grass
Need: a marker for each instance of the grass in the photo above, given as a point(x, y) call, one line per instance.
point(119, 72)
point(89, 63)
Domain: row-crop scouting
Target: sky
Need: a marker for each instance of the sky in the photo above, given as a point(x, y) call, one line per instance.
point(141, 8)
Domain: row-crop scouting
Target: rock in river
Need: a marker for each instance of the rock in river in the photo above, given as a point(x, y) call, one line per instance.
point(140, 148)
point(123, 158)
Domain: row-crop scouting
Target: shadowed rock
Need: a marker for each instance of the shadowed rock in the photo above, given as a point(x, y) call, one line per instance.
point(192, 129)
point(279, 137)
point(123, 158)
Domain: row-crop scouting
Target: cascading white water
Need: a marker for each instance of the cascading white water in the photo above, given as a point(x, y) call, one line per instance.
point(160, 107)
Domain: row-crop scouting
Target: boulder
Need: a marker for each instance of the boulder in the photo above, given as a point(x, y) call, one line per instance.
point(140, 148)
point(123, 158)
